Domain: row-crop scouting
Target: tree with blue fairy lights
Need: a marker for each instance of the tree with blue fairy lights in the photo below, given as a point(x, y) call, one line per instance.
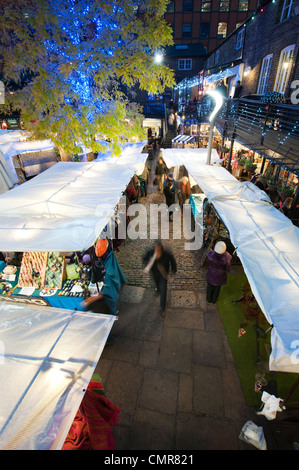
point(68, 66)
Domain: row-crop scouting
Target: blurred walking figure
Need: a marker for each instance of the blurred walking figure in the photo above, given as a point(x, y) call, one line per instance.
point(220, 261)
point(143, 178)
point(169, 193)
point(184, 191)
point(159, 262)
point(171, 121)
point(160, 173)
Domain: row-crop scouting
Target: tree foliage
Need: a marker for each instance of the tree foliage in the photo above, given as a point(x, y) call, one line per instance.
point(71, 63)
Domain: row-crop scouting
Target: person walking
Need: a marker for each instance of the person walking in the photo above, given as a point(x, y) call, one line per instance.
point(143, 178)
point(171, 121)
point(238, 90)
point(160, 262)
point(169, 179)
point(220, 261)
point(184, 192)
point(169, 193)
point(160, 173)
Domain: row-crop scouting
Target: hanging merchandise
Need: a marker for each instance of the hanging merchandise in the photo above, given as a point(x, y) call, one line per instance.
point(98, 273)
point(55, 271)
point(101, 247)
point(33, 270)
point(72, 271)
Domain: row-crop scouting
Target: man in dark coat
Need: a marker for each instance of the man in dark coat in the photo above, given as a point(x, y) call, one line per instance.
point(159, 262)
point(169, 194)
point(160, 173)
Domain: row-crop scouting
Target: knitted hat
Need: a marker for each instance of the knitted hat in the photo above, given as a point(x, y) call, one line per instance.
point(220, 248)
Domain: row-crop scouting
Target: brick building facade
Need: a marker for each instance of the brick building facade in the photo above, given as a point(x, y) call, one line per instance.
point(266, 45)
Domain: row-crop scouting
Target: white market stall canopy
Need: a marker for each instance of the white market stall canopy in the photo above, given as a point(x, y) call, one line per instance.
point(14, 142)
point(66, 207)
point(267, 244)
point(8, 179)
point(47, 358)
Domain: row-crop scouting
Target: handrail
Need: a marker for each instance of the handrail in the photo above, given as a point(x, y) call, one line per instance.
point(270, 129)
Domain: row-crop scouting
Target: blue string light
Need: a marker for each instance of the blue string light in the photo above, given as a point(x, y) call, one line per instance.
point(77, 25)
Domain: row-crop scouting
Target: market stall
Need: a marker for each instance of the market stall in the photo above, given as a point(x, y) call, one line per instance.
point(54, 222)
point(26, 157)
point(65, 210)
point(266, 243)
point(184, 141)
point(7, 178)
point(47, 358)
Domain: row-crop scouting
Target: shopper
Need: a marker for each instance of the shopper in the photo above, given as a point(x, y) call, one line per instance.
point(159, 262)
point(169, 179)
point(169, 194)
point(143, 178)
point(238, 90)
point(184, 192)
point(160, 173)
point(171, 121)
point(220, 261)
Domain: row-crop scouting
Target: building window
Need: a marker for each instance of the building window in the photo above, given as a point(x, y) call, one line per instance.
point(188, 5)
point(185, 64)
point(286, 10)
point(187, 30)
point(170, 7)
point(204, 30)
point(216, 57)
point(284, 68)
point(206, 5)
point(264, 74)
point(240, 39)
point(224, 5)
point(243, 5)
point(221, 32)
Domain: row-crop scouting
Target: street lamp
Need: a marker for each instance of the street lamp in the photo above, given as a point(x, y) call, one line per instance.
point(218, 97)
point(158, 57)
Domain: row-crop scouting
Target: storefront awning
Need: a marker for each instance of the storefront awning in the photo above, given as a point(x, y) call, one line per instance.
point(228, 72)
point(183, 139)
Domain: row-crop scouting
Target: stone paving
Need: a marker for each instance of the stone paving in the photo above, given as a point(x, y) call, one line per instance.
point(174, 378)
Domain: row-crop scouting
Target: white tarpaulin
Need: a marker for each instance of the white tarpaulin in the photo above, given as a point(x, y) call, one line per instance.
point(47, 358)
point(66, 207)
point(14, 143)
point(267, 244)
point(8, 179)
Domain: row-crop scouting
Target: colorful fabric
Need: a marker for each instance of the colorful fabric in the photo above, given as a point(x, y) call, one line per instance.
point(93, 423)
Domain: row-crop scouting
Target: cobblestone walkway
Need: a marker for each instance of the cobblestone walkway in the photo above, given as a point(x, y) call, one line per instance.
point(174, 378)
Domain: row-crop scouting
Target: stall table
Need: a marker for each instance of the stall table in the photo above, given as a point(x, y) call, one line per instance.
point(114, 278)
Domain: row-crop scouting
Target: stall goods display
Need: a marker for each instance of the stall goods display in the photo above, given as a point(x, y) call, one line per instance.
point(33, 270)
point(55, 271)
point(75, 288)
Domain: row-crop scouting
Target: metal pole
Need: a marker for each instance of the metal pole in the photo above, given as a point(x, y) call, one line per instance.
point(219, 102)
point(210, 141)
